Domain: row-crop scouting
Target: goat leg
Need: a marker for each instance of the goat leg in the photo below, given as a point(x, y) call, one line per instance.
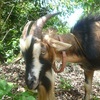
point(88, 83)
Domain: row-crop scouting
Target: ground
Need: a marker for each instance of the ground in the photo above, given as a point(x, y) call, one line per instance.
point(15, 73)
point(75, 74)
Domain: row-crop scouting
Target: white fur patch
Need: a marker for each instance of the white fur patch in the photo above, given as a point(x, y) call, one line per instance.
point(22, 45)
point(37, 65)
point(25, 44)
point(29, 77)
point(47, 38)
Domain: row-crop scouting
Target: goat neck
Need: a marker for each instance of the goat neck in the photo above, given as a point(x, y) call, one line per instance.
point(74, 53)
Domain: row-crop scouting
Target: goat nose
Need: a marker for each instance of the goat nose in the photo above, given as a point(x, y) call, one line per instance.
point(30, 82)
point(33, 79)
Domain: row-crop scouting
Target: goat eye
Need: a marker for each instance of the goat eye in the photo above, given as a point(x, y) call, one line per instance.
point(43, 52)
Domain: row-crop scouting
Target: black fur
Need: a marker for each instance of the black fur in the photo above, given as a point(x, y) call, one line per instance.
point(46, 66)
point(46, 83)
point(85, 33)
point(28, 56)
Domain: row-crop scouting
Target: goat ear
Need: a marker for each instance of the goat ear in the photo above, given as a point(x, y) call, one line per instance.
point(58, 45)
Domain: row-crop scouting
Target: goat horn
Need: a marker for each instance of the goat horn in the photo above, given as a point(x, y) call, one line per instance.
point(38, 25)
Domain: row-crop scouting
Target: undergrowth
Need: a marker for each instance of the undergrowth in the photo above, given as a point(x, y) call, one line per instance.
point(6, 92)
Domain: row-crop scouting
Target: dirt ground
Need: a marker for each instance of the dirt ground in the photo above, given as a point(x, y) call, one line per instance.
point(15, 73)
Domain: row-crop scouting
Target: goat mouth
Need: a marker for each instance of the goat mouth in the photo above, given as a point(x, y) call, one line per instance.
point(35, 86)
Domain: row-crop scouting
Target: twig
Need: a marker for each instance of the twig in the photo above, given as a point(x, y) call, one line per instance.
point(7, 17)
point(19, 57)
point(6, 34)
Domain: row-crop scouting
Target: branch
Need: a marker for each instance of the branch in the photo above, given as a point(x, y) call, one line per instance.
point(7, 17)
point(6, 34)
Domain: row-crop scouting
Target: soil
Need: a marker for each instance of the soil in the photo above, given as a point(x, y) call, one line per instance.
point(15, 73)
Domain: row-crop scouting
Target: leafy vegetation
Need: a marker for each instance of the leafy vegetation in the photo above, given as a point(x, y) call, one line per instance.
point(5, 88)
point(65, 84)
point(95, 98)
point(6, 92)
point(15, 13)
point(89, 6)
point(13, 17)
point(27, 95)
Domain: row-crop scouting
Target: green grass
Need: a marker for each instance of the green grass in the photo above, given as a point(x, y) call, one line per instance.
point(65, 84)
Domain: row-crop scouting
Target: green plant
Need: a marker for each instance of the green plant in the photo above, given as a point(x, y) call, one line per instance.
point(27, 95)
point(6, 92)
point(65, 84)
point(96, 98)
point(5, 88)
point(14, 14)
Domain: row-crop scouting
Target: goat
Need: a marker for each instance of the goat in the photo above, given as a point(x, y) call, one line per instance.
point(81, 45)
point(39, 73)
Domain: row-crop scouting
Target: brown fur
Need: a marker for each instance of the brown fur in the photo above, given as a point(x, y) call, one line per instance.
point(83, 47)
point(42, 93)
point(49, 52)
point(76, 54)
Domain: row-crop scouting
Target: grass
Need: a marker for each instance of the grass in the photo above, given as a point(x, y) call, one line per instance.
point(65, 84)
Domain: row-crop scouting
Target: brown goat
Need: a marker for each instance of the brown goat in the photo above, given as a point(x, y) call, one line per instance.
point(39, 73)
point(82, 46)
